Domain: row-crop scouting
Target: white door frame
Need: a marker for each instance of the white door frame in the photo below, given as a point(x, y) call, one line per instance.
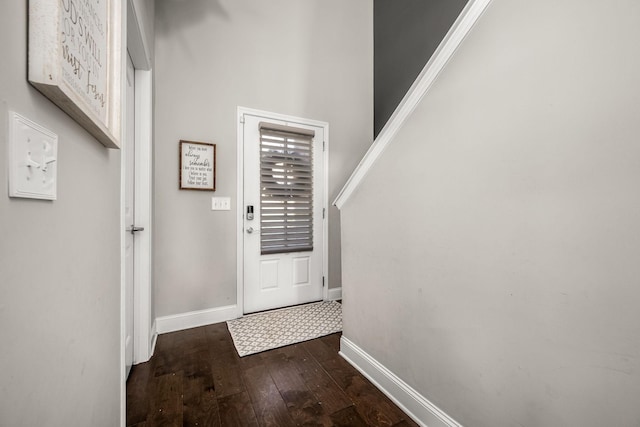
point(144, 329)
point(144, 325)
point(240, 197)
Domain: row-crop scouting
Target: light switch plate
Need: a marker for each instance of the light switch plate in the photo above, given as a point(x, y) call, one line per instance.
point(33, 159)
point(221, 203)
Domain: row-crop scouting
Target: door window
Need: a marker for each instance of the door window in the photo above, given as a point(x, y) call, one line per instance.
point(286, 189)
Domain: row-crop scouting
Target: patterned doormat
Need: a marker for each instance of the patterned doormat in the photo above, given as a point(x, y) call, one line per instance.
point(272, 329)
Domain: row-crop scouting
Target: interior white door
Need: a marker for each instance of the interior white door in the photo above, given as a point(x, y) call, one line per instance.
point(129, 208)
point(273, 280)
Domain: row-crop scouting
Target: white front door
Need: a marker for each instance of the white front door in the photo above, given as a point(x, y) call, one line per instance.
point(129, 212)
point(284, 190)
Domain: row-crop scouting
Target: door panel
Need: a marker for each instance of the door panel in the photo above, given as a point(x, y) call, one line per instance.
point(301, 271)
point(274, 280)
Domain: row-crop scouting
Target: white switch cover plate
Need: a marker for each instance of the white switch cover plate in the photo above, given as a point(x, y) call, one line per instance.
point(33, 159)
point(221, 203)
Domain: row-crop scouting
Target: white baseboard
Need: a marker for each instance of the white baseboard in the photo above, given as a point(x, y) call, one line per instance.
point(334, 294)
point(154, 338)
point(193, 319)
point(408, 399)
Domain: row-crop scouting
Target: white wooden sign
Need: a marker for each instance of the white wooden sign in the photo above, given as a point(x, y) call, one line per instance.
point(197, 166)
point(75, 60)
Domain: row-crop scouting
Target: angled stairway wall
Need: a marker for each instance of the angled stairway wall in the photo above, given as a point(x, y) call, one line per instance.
point(490, 253)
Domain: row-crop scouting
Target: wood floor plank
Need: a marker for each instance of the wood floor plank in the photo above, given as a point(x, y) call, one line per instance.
point(200, 405)
point(326, 354)
point(327, 392)
point(219, 338)
point(281, 365)
point(332, 341)
point(340, 370)
point(237, 411)
point(198, 365)
point(372, 405)
point(320, 350)
point(269, 407)
point(137, 406)
point(303, 405)
point(348, 417)
point(166, 402)
point(407, 422)
point(168, 354)
point(227, 374)
point(195, 341)
point(251, 361)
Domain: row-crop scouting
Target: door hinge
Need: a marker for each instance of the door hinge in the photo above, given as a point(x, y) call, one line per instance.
point(241, 118)
point(323, 211)
point(323, 281)
point(324, 145)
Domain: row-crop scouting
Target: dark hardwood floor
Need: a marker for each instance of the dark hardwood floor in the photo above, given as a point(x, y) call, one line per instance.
point(196, 378)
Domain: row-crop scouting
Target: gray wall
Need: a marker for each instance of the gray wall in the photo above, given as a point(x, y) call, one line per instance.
point(502, 277)
point(145, 12)
point(214, 56)
point(406, 33)
point(59, 266)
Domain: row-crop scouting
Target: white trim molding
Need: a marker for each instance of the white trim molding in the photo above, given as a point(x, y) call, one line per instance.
point(144, 334)
point(123, 225)
point(143, 268)
point(334, 294)
point(452, 40)
point(418, 407)
point(194, 319)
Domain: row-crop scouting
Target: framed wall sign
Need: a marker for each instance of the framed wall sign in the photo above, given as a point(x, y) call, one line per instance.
point(75, 59)
point(197, 166)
